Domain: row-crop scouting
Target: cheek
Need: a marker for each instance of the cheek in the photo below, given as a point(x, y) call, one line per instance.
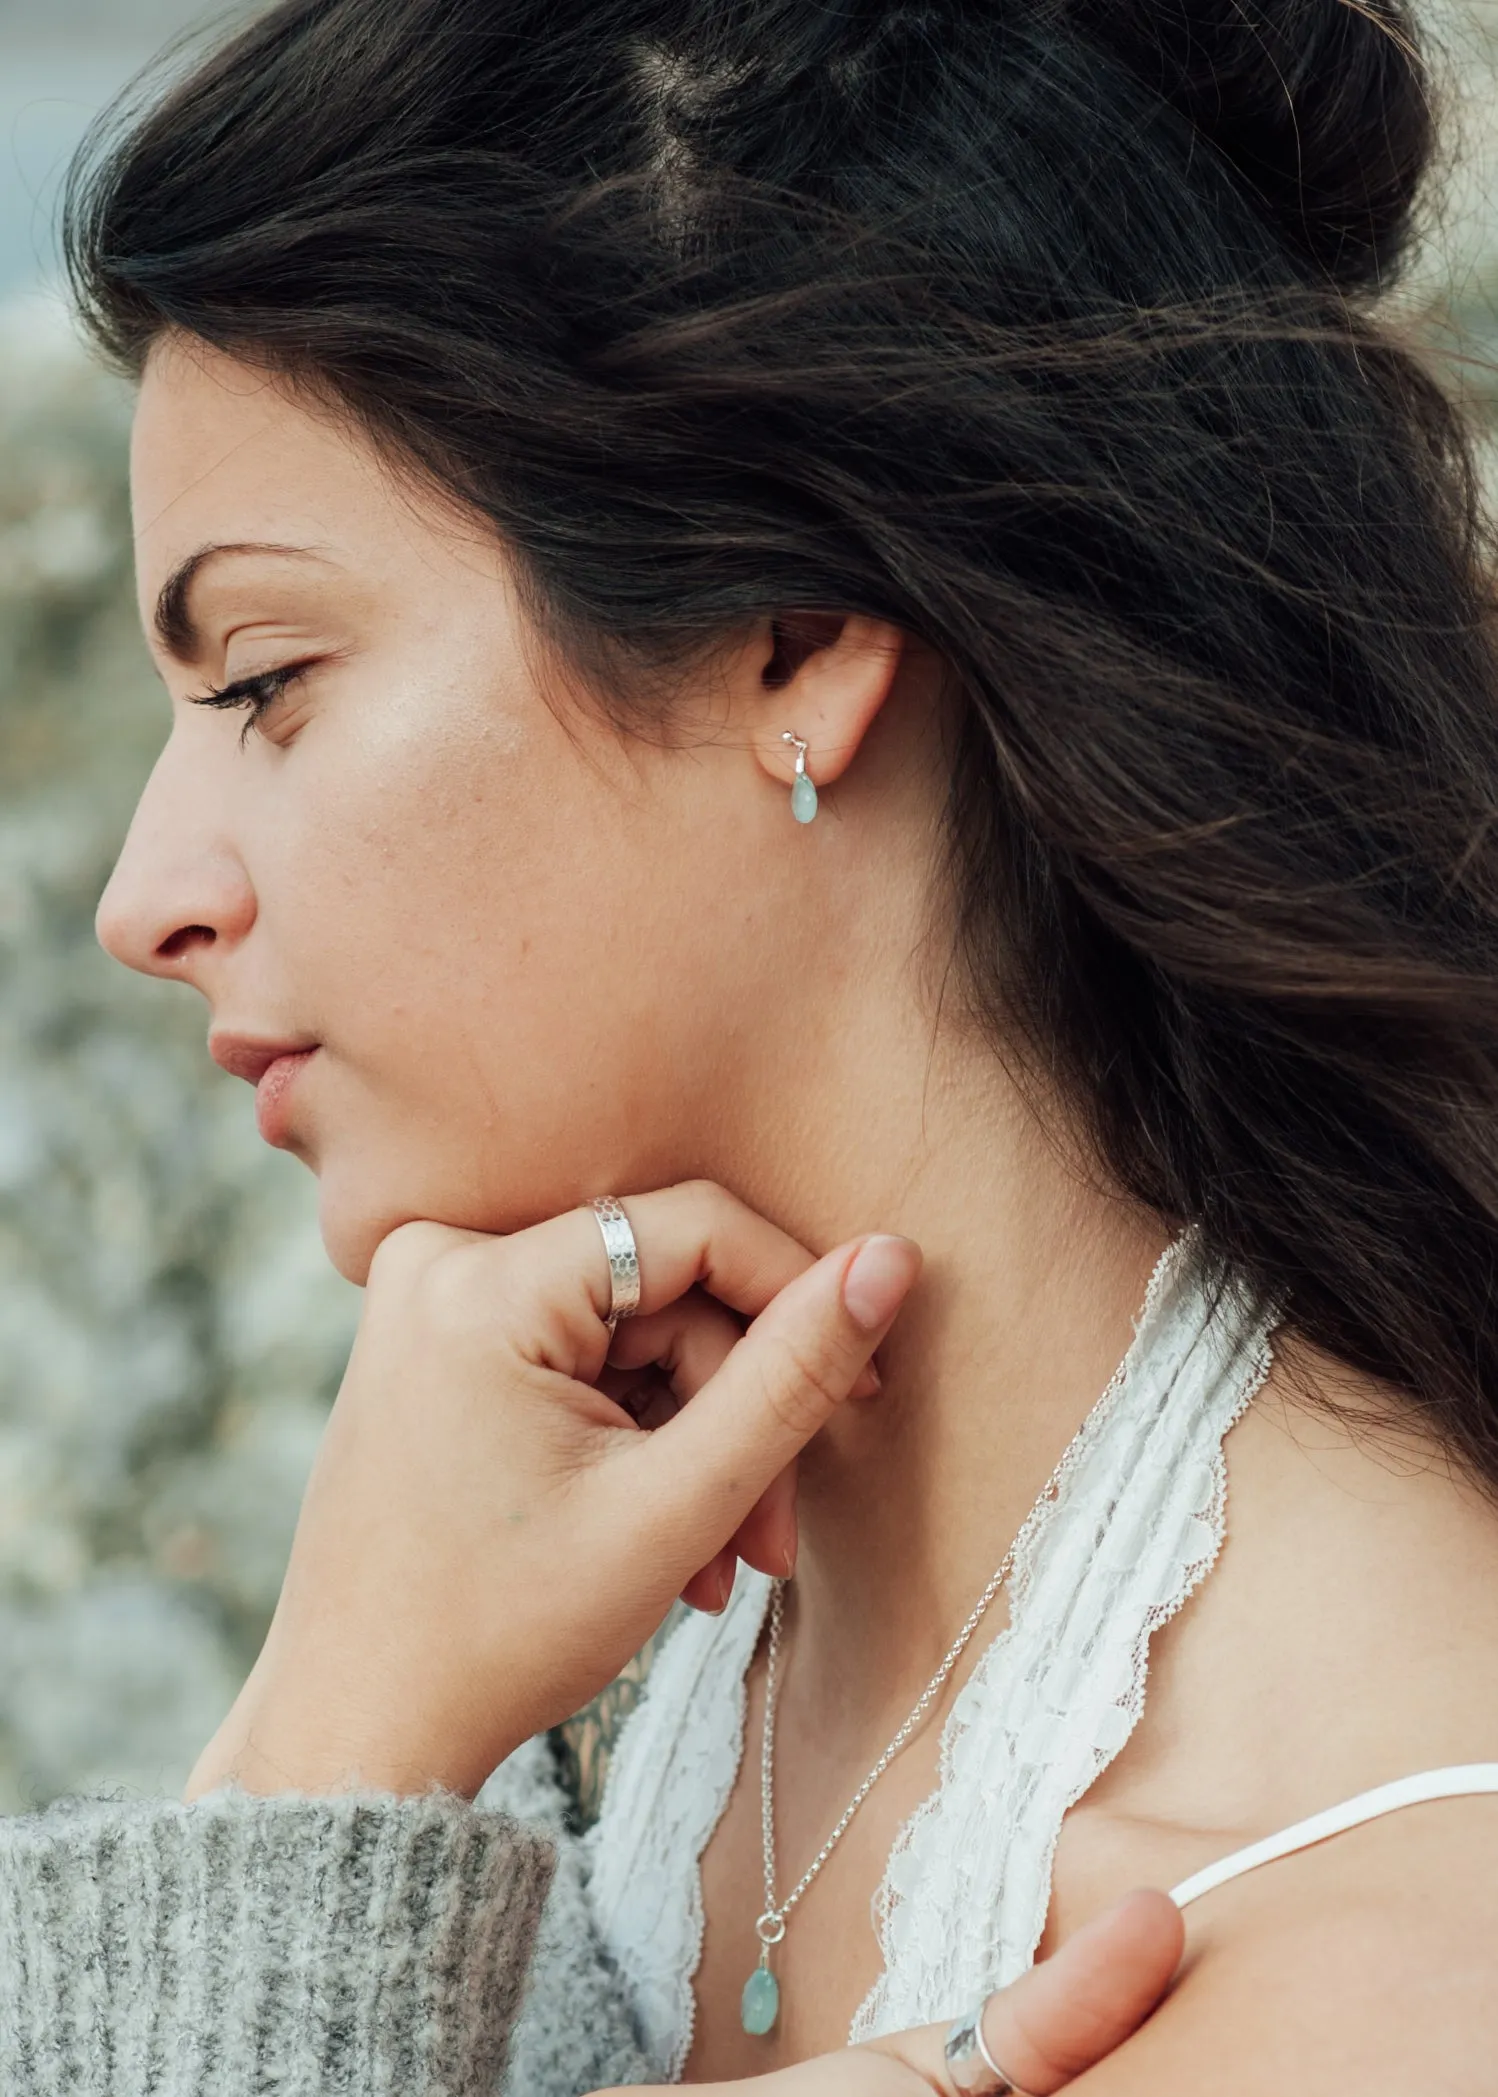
point(440, 898)
point(483, 932)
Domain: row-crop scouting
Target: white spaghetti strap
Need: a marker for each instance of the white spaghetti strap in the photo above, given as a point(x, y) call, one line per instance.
point(1468, 1780)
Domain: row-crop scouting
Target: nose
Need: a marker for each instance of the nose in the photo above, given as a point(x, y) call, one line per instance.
point(179, 897)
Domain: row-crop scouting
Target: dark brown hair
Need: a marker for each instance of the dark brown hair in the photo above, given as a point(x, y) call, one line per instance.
point(1044, 329)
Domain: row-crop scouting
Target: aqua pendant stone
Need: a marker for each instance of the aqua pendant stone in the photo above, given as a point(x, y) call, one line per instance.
point(761, 2004)
point(803, 808)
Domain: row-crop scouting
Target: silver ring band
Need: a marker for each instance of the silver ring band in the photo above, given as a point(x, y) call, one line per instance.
point(624, 1259)
point(972, 2068)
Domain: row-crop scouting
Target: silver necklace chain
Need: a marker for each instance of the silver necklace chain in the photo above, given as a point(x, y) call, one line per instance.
point(770, 1928)
point(771, 1925)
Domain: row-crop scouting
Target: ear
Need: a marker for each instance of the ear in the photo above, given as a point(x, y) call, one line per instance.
point(823, 677)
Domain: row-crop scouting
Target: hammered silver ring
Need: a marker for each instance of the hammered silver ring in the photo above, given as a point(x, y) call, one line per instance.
point(624, 1259)
point(971, 2067)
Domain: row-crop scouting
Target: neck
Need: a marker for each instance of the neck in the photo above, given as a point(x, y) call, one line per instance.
point(1032, 1277)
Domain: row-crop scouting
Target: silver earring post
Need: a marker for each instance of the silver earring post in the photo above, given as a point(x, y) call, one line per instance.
point(803, 788)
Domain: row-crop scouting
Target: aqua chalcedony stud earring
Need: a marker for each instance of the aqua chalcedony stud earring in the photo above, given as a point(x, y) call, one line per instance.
point(803, 789)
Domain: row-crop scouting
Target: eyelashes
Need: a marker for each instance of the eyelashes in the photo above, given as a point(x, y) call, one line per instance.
point(256, 696)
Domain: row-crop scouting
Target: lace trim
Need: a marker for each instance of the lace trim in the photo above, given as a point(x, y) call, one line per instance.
point(1058, 1692)
point(1212, 1518)
point(661, 1802)
point(1129, 1525)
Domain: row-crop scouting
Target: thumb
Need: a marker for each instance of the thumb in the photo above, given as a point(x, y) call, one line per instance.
point(1075, 2007)
point(776, 1387)
point(1061, 2017)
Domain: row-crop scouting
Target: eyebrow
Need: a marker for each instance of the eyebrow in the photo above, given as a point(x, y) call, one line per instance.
point(175, 628)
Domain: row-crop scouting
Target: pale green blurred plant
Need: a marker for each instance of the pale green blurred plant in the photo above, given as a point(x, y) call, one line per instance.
point(170, 1332)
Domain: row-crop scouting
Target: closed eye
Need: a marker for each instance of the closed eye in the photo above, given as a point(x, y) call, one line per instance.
point(257, 694)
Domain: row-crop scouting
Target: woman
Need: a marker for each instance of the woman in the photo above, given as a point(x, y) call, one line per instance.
point(850, 604)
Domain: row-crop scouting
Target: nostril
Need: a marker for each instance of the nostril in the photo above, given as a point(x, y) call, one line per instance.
point(184, 940)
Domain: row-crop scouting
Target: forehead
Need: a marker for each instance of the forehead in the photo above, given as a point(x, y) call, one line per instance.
point(222, 453)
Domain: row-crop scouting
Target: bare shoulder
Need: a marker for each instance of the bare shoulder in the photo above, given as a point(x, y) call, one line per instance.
point(1368, 1965)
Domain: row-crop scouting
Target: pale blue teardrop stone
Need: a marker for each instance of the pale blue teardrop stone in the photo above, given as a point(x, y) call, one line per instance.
point(803, 808)
point(761, 2005)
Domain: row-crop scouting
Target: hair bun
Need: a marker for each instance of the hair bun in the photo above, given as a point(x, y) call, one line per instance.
point(1322, 106)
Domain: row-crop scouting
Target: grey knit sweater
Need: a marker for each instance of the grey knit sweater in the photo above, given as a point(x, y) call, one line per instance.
point(296, 1947)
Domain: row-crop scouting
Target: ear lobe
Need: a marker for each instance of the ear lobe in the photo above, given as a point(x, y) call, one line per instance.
point(826, 678)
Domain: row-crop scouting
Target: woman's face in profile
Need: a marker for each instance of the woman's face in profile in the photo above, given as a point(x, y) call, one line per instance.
point(507, 944)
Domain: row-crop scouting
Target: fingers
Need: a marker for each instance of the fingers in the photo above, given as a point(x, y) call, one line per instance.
point(708, 1467)
point(690, 1234)
point(815, 1326)
point(1072, 2010)
point(710, 1589)
point(689, 1339)
point(766, 1538)
point(689, 1342)
point(1054, 2022)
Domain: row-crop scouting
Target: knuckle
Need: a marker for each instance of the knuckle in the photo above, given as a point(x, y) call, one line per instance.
point(716, 1218)
point(405, 1253)
point(801, 1385)
point(710, 1196)
point(457, 1293)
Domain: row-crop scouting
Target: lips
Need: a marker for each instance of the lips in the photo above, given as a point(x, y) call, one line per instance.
point(273, 1068)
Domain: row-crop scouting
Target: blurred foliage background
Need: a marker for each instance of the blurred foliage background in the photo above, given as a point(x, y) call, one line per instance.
point(170, 1333)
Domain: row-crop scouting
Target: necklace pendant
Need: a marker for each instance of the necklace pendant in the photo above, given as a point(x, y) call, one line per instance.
point(761, 2000)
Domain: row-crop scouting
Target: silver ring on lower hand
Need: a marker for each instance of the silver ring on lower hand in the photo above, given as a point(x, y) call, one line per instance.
point(971, 2067)
point(624, 1259)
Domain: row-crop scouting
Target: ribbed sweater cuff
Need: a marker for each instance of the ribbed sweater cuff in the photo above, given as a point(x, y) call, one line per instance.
point(367, 1946)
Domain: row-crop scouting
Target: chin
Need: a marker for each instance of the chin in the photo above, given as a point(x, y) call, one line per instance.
point(355, 1219)
point(355, 1216)
point(349, 1241)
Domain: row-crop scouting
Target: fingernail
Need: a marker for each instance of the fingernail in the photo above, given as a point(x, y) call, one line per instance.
point(866, 1383)
point(878, 1277)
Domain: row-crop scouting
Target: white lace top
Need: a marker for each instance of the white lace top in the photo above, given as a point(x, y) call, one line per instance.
point(1130, 1524)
